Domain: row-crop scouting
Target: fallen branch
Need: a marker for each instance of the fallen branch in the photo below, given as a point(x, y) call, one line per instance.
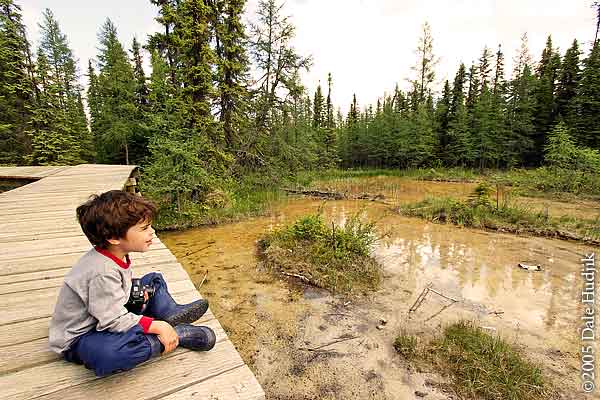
point(196, 251)
point(203, 279)
point(318, 193)
point(421, 299)
point(301, 277)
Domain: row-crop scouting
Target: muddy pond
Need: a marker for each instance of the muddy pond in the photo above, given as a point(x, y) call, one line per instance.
point(304, 343)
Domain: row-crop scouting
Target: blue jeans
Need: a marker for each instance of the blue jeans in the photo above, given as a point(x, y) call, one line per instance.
point(109, 352)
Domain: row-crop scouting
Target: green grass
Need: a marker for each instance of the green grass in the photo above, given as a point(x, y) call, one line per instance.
point(480, 365)
point(544, 181)
point(305, 178)
point(552, 181)
point(406, 345)
point(336, 258)
point(238, 200)
point(484, 215)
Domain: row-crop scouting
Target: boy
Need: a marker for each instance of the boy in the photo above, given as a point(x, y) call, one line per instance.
point(92, 323)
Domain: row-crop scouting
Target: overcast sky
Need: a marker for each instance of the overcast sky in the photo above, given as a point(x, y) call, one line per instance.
point(368, 45)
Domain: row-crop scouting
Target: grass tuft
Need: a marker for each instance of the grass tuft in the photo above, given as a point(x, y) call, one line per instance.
point(332, 257)
point(406, 345)
point(480, 213)
point(480, 365)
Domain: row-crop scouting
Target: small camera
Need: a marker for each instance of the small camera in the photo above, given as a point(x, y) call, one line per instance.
point(136, 300)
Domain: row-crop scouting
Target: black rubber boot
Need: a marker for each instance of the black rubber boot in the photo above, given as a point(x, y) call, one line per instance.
point(163, 307)
point(192, 337)
point(186, 313)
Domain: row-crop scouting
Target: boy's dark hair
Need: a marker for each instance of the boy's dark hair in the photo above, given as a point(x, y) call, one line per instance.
point(111, 214)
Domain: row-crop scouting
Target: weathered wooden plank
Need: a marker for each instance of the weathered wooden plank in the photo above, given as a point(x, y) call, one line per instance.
point(27, 331)
point(24, 331)
point(29, 354)
point(16, 237)
point(139, 265)
point(34, 248)
point(63, 380)
point(39, 216)
point(40, 226)
point(29, 172)
point(50, 262)
point(25, 306)
point(236, 384)
point(174, 272)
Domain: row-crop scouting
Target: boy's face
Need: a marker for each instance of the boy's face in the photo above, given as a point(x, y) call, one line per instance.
point(138, 237)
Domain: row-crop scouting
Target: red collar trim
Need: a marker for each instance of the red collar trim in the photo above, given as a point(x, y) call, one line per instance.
point(123, 264)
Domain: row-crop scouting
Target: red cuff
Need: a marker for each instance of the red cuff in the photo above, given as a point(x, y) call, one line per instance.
point(145, 323)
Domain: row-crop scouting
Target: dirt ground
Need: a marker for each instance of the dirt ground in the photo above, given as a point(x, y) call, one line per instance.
point(304, 343)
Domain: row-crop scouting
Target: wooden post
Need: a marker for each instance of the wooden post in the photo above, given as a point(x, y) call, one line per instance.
point(131, 185)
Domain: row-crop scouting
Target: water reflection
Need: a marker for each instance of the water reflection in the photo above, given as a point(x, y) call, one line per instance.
point(477, 267)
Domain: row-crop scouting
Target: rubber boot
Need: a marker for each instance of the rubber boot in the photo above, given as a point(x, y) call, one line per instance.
point(162, 306)
point(200, 338)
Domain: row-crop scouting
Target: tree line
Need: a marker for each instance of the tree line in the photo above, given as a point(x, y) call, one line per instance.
point(482, 119)
point(225, 98)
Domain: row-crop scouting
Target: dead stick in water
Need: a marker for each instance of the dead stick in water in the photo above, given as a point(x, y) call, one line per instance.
point(203, 279)
point(301, 277)
point(419, 300)
point(438, 313)
point(443, 295)
point(196, 251)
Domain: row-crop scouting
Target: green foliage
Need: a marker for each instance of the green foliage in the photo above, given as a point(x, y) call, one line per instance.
point(480, 214)
point(481, 195)
point(587, 101)
point(16, 85)
point(406, 345)
point(335, 258)
point(116, 121)
point(561, 152)
point(486, 366)
point(59, 132)
point(178, 176)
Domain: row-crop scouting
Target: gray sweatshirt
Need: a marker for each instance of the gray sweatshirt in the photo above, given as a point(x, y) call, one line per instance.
point(93, 296)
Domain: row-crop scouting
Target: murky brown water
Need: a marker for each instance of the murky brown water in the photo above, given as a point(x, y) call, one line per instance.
point(399, 190)
point(273, 323)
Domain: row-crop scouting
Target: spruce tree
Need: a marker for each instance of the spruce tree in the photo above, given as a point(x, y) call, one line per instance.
point(276, 61)
point(117, 121)
point(425, 66)
point(62, 136)
point(473, 89)
point(568, 82)
point(587, 101)
point(141, 86)
point(443, 120)
point(232, 69)
point(458, 91)
point(329, 121)
point(318, 111)
point(16, 85)
point(196, 57)
point(498, 114)
point(545, 109)
point(521, 109)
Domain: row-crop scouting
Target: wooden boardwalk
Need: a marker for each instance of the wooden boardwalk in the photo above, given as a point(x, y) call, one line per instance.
point(39, 242)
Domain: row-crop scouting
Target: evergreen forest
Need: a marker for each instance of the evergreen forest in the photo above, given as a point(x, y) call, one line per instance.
point(224, 101)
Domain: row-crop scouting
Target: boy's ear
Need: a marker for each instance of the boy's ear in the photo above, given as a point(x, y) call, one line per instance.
point(114, 242)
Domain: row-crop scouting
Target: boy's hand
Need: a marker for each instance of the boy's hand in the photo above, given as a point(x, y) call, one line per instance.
point(166, 334)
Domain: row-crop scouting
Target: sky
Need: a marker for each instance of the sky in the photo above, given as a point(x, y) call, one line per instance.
point(367, 45)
